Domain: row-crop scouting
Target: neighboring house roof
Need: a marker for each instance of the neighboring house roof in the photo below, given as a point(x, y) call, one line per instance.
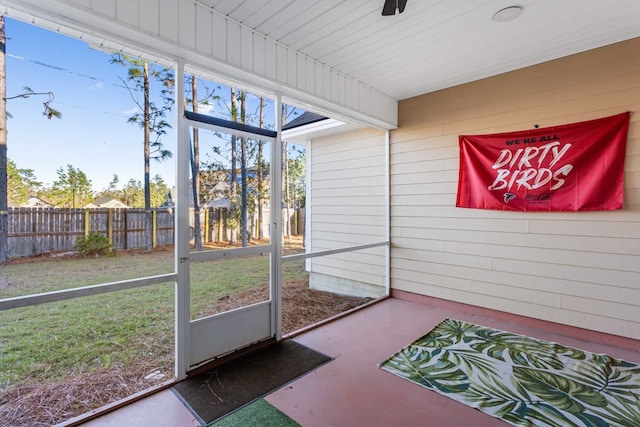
point(108, 202)
point(218, 203)
point(217, 195)
point(35, 202)
point(218, 186)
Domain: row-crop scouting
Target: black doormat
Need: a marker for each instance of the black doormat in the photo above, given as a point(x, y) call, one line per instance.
point(225, 388)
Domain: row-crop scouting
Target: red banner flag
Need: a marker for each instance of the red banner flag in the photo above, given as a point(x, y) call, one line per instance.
point(574, 167)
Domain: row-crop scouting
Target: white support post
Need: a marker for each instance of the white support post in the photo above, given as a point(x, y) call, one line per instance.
point(308, 204)
point(276, 224)
point(182, 291)
point(387, 213)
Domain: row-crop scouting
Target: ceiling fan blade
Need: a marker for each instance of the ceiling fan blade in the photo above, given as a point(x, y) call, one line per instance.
point(393, 7)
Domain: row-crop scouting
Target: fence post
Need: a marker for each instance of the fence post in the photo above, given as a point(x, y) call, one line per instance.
point(206, 225)
point(154, 228)
point(220, 220)
point(110, 226)
point(212, 224)
point(125, 228)
point(87, 220)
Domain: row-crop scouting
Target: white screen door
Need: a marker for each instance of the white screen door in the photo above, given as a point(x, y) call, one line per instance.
point(228, 292)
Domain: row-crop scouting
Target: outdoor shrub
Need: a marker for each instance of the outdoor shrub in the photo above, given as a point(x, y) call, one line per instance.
point(93, 244)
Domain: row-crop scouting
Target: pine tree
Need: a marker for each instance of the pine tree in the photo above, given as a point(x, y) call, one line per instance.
point(150, 117)
point(243, 170)
point(260, 172)
point(232, 220)
point(195, 169)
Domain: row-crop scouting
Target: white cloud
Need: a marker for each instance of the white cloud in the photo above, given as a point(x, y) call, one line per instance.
point(205, 108)
point(98, 85)
point(130, 111)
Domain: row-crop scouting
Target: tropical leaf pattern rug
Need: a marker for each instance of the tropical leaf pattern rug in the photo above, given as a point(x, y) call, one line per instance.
point(521, 380)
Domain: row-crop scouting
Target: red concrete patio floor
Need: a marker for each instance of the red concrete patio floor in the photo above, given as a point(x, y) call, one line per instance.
point(352, 391)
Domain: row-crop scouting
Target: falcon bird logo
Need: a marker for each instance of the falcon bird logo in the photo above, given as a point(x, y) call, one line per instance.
point(508, 197)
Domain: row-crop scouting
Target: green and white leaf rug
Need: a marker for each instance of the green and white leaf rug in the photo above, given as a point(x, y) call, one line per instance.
point(521, 380)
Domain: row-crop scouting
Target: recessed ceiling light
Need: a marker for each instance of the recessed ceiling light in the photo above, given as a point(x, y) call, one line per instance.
point(507, 14)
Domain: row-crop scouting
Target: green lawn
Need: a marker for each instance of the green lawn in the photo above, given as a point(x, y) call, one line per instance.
point(130, 329)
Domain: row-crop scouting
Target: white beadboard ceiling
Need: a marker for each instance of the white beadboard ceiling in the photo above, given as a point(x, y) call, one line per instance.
point(340, 58)
point(434, 44)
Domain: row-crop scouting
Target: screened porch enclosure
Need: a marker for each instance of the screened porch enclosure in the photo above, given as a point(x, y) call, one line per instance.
point(195, 312)
point(382, 163)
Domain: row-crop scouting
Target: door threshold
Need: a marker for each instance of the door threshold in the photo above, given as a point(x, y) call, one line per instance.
point(233, 355)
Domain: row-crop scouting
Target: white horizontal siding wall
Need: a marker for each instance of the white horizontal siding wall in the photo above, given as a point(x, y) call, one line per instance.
point(580, 269)
point(348, 206)
point(207, 39)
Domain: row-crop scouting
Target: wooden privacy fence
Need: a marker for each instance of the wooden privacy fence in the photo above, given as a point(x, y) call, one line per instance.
point(34, 231)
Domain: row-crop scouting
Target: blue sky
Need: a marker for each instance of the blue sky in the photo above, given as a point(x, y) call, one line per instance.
point(93, 134)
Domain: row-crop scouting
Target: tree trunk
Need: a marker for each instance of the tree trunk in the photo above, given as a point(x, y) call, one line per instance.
point(243, 170)
point(287, 187)
point(195, 170)
point(285, 178)
point(147, 160)
point(4, 215)
point(234, 155)
point(260, 180)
